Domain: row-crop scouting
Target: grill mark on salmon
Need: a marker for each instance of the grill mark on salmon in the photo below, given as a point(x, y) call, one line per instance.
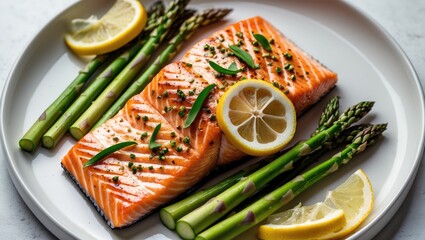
point(151, 181)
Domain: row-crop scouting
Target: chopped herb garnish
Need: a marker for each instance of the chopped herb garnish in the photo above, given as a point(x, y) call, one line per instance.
point(162, 157)
point(132, 156)
point(243, 55)
point(134, 169)
point(182, 111)
point(279, 70)
point(287, 56)
point(263, 42)
point(179, 148)
point(197, 105)
point(189, 64)
point(173, 134)
point(130, 164)
point(152, 144)
point(165, 94)
point(293, 77)
point(191, 93)
point(222, 70)
point(186, 140)
point(163, 151)
point(115, 179)
point(181, 94)
point(144, 134)
point(213, 117)
point(172, 143)
point(139, 167)
point(289, 67)
point(137, 117)
point(255, 49)
point(105, 152)
point(115, 139)
point(239, 34)
point(150, 167)
point(145, 118)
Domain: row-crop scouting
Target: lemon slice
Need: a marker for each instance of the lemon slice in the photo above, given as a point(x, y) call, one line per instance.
point(303, 222)
point(256, 117)
point(355, 197)
point(321, 221)
point(123, 22)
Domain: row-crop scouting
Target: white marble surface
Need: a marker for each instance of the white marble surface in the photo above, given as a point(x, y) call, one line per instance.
point(20, 20)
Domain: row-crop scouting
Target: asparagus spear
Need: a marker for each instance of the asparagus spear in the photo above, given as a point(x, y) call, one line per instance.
point(329, 115)
point(85, 122)
point(174, 45)
point(346, 137)
point(170, 214)
point(204, 216)
point(61, 126)
point(258, 211)
point(32, 137)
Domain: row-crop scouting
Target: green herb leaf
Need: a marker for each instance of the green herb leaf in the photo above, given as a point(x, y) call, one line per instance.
point(197, 105)
point(232, 70)
point(105, 152)
point(243, 55)
point(152, 144)
point(263, 42)
point(233, 66)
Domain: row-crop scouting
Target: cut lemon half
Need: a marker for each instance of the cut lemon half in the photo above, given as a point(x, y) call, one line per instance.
point(354, 198)
point(123, 22)
point(256, 117)
point(303, 222)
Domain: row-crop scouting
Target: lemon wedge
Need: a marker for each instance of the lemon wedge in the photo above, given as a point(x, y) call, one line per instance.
point(303, 222)
point(256, 117)
point(355, 196)
point(353, 199)
point(123, 22)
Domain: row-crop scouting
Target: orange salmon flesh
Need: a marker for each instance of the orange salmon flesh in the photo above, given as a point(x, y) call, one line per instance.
point(130, 183)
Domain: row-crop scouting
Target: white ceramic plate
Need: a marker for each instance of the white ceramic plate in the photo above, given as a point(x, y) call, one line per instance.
point(370, 67)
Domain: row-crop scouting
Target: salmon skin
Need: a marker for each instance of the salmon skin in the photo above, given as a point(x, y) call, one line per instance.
point(130, 183)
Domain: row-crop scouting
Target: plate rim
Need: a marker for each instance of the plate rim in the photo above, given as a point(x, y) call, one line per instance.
point(59, 230)
point(395, 204)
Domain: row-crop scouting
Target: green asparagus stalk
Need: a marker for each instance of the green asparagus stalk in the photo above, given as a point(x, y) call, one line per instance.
point(32, 137)
point(156, 10)
point(85, 122)
point(261, 209)
point(186, 30)
point(61, 126)
point(201, 218)
point(346, 137)
point(328, 116)
point(170, 214)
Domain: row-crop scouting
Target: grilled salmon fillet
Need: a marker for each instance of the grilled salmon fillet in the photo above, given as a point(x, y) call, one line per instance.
point(130, 183)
